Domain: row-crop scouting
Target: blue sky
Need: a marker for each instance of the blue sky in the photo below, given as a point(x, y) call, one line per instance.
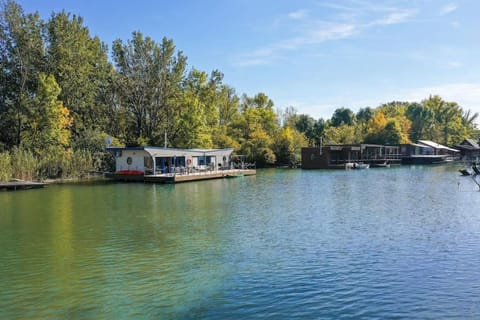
point(314, 55)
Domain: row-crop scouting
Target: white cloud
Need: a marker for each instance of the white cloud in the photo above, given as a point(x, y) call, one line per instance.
point(449, 8)
point(314, 32)
point(318, 34)
point(467, 95)
point(454, 64)
point(298, 15)
point(396, 17)
point(315, 35)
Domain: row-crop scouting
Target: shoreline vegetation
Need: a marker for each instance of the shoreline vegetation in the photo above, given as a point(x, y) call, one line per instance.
point(62, 98)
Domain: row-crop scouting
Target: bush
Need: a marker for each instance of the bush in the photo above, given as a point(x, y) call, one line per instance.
point(81, 163)
point(54, 165)
point(5, 166)
point(24, 164)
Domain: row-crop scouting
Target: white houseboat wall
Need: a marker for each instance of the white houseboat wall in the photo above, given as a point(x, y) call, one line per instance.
point(157, 160)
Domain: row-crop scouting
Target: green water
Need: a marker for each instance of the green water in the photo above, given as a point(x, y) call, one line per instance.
point(378, 243)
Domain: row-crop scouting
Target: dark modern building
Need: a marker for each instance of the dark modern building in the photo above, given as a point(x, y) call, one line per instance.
point(469, 150)
point(340, 156)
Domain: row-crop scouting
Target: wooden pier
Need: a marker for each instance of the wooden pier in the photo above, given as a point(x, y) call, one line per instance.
point(180, 178)
point(20, 185)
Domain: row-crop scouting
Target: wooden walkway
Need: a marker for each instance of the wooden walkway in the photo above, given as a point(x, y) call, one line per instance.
point(179, 178)
point(20, 185)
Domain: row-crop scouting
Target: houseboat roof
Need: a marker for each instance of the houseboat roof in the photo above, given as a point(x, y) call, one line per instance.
point(160, 151)
point(469, 144)
point(436, 145)
point(420, 145)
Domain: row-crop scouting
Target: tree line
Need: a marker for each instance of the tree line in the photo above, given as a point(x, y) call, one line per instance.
point(61, 96)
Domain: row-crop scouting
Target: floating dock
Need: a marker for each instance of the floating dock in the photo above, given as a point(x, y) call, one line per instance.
point(20, 185)
point(179, 178)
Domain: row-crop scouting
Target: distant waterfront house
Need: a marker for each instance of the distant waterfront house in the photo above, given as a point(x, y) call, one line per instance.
point(157, 160)
point(415, 149)
point(426, 152)
point(440, 149)
point(469, 150)
point(337, 156)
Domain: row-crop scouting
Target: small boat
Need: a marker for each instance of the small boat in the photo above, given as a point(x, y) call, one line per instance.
point(381, 165)
point(465, 172)
point(361, 165)
point(234, 175)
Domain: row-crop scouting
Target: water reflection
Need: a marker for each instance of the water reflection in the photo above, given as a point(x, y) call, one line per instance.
point(288, 243)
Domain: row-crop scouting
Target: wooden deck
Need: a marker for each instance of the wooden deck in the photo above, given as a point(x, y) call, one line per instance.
point(180, 178)
point(20, 185)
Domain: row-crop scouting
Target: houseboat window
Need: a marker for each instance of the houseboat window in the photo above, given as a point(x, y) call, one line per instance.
point(129, 160)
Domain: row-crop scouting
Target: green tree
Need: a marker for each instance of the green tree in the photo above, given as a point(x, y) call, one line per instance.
point(341, 135)
point(207, 98)
point(287, 146)
point(391, 133)
point(289, 117)
point(422, 119)
point(255, 128)
point(393, 109)
point(258, 111)
point(342, 116)
point(319, 131)
point(80, 65)
point(258, 148)
point(228, 105)
point(305, 125)
point(149, 87)
point(22, 58)
point(363, 117)
point(447, 120)
point(469, 118)
point(223, 135)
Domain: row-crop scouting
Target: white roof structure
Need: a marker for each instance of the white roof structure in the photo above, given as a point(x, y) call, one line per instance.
point(436, 145)
point(172, 152)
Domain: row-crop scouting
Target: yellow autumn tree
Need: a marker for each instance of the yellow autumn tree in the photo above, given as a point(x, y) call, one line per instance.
point(47, 131)
point(377, 123)
point(393, 130)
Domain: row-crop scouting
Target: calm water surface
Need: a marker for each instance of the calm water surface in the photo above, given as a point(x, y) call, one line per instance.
point(287, 244)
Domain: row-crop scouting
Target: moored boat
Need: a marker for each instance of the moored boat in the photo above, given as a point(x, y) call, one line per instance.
point(385, 164)
point(361, 165)
point(234, 175)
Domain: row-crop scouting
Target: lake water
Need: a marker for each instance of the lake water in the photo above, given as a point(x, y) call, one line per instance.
point(285, 244)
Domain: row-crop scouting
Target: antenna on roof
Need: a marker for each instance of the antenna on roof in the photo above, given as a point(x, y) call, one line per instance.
point(165, 145)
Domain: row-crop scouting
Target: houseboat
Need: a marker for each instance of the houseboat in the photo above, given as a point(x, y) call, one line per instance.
point(427, 152)
point(348, 155)
point(469, 150)
point(171, 165)
point(345, 156)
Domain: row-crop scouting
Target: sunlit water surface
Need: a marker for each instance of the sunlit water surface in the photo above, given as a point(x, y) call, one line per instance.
point(286, 244)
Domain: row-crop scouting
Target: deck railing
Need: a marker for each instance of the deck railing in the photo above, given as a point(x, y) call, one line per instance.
point(203, 170)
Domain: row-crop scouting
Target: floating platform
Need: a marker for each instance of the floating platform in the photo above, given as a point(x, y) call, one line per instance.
point(425, 159)
point(20, 185)
point(179, 178)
